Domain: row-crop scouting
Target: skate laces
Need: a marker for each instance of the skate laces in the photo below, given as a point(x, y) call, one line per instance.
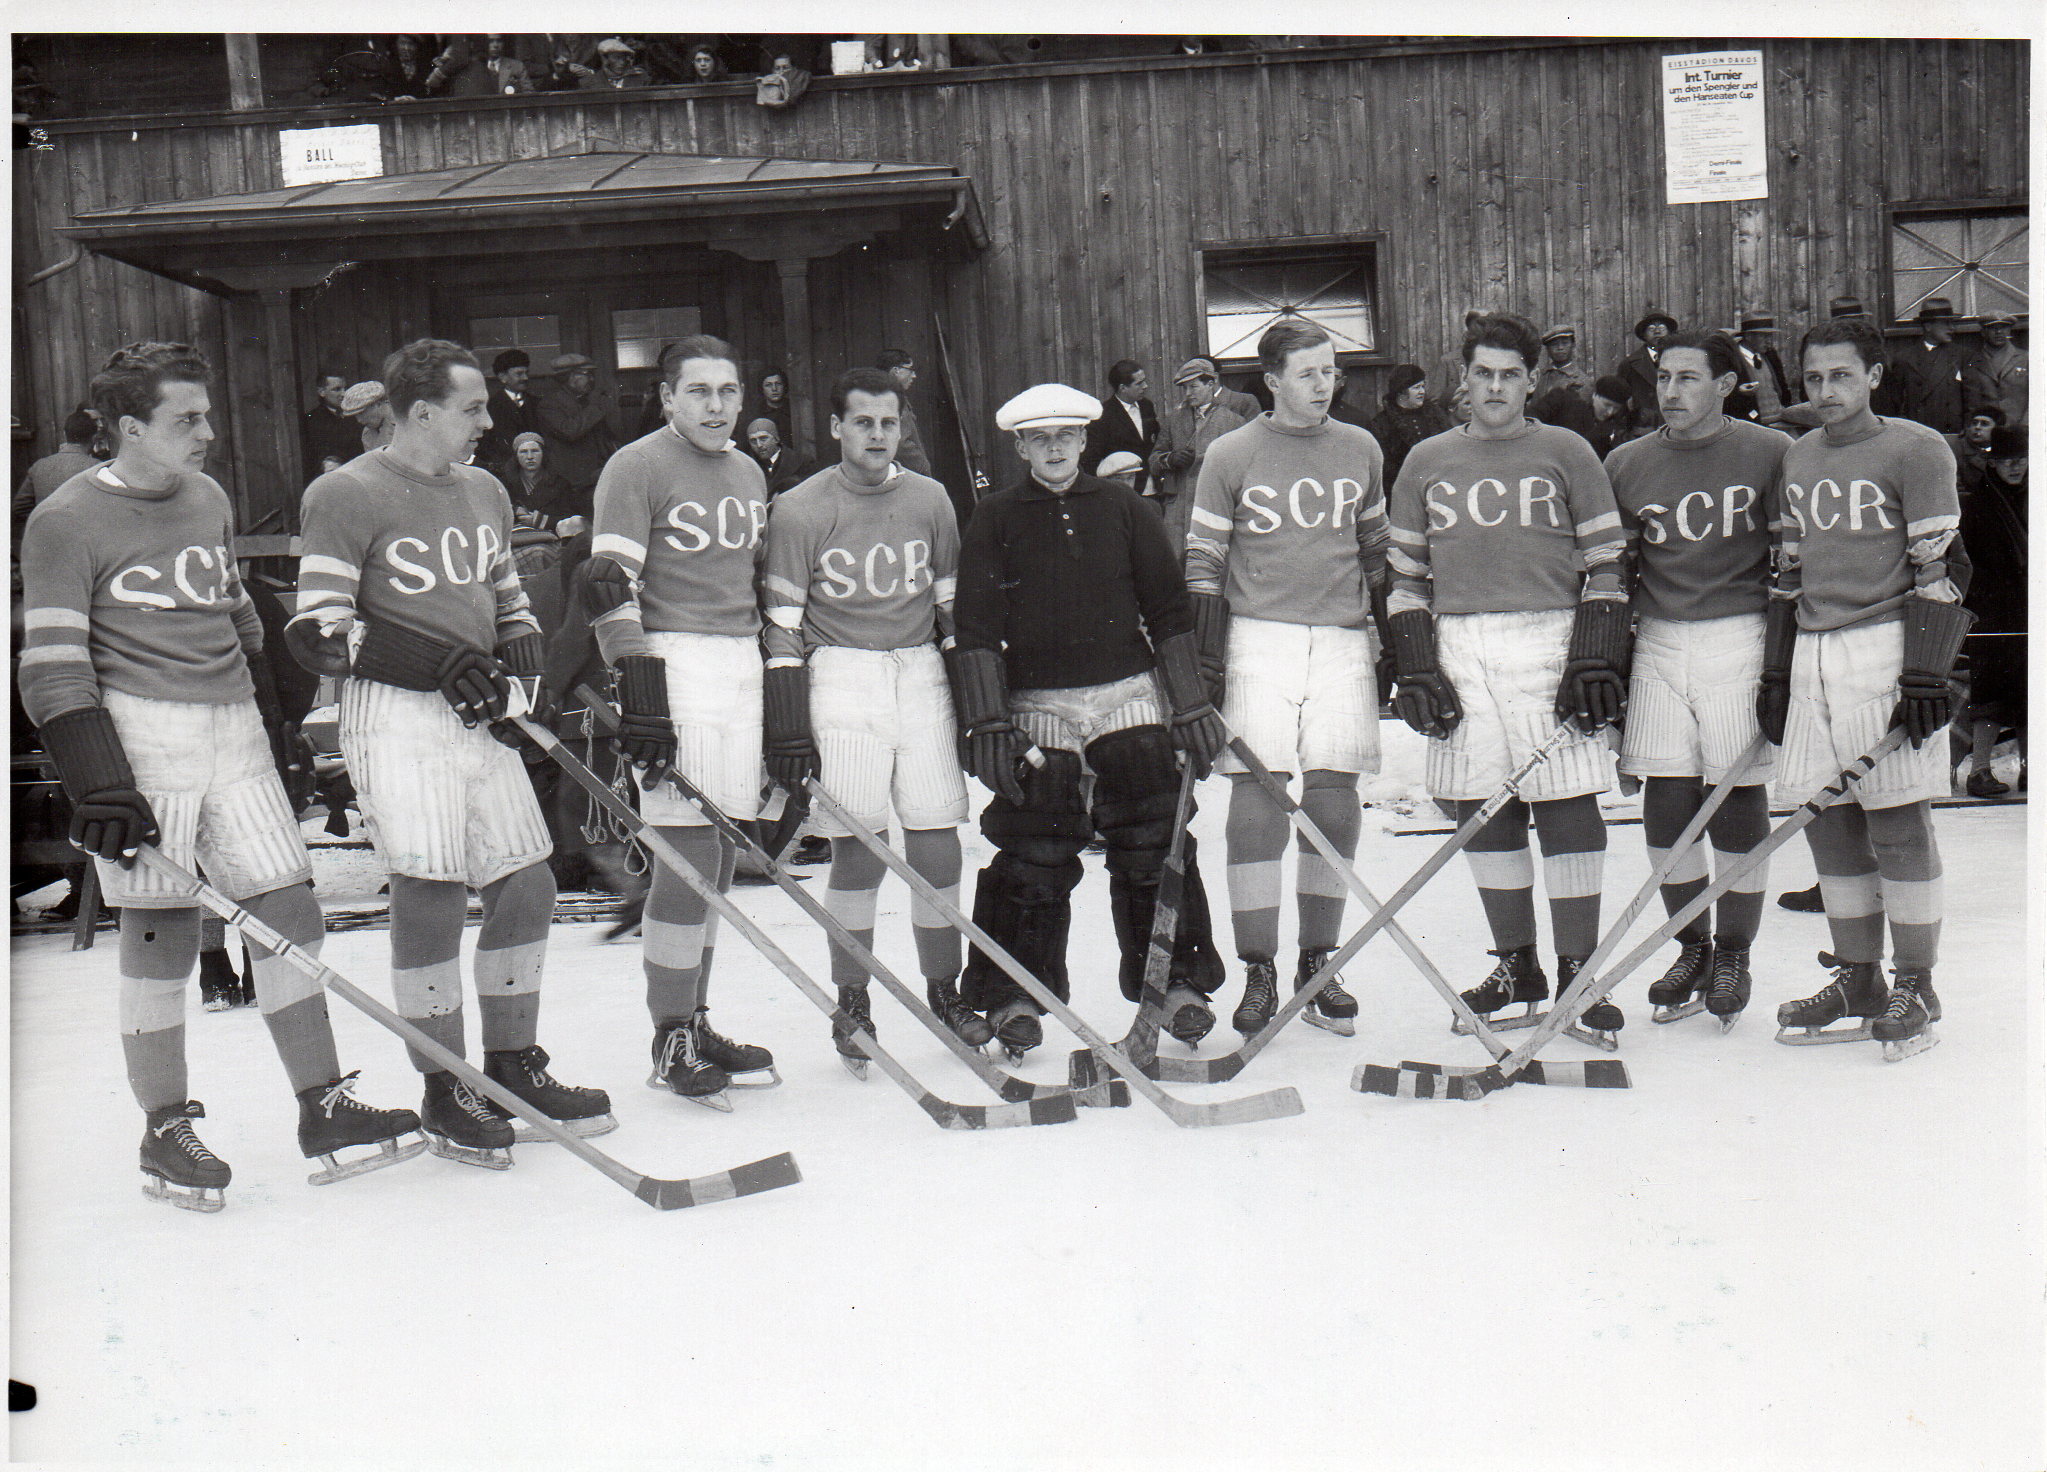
point(470, 1103)
point(179, 1132)
point(337, 1093)
point(678, 1043)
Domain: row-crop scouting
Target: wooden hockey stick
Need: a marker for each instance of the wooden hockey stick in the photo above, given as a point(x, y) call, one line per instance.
point(943, 1112)
point(663, 1195)
point(1007, 1086)
point(1272, 1104)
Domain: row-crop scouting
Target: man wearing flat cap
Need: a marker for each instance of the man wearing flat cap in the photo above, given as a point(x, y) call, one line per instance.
point(1924, 382)
point(1561, 368)
point(1638, 371)
point(1075, 636)
point(1185, 433)
point(1996, 375)
point(575, 415)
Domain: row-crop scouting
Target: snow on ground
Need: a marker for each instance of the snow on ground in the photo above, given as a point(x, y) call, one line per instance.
point(1759, 1256)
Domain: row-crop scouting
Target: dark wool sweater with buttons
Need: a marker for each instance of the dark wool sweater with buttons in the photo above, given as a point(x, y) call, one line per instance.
point(1074, 589)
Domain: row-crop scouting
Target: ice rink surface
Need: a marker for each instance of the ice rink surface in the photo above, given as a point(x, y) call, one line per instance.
point(1758, 1257)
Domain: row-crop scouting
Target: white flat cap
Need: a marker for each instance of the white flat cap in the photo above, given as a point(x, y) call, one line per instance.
point(1048, 406)
point(1117, 463)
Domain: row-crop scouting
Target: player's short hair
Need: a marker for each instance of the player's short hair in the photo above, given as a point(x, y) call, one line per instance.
point(1858, 332)
point(1505, 330)
point(132, 380)
point(1124, 371)
point(890, 358)
point(696, 345)
point(1284, 338)
point(81, 424)
point(423, 371)
point(1722, 353)
point(509, 358)
point(866, 381)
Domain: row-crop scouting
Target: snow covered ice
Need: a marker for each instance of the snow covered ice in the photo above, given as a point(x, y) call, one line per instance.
point(1759, 1256)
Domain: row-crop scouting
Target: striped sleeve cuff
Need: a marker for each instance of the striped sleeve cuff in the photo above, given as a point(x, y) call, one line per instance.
point(630, 554)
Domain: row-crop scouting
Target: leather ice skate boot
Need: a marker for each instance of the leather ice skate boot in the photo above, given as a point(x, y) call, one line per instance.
point(176, 1167)
point(1517, 979)
point(853, 1013)
point(461, 1125)
point(746, 1065)
point(1598, 1024)
point(1017, 1028)
point(1905, 1028)
point(969, 1026)
point(1728, 993)
point(523, 1071)
point(682, 1070)
point(1681, 992)
point(1856, 991)
point(330, 1120)
point(1261, 996)
point(1334, 1009)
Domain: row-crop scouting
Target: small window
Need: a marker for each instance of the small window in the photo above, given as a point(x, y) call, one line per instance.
point(1246, 289)
point(640, 334)
point(539, 337)
point(1975, 257)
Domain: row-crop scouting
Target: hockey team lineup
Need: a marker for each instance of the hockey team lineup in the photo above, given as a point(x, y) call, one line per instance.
point(1717, 612)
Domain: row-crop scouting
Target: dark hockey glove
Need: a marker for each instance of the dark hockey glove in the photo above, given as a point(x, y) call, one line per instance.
point(606, 586)
point(980, 699)
point(1425, 700)
point(1196, 729)
point(1933, 642)
point(466, 677)
point(789, 748)
point(646, 736)
point(321, 653)
point(1212, 628)
point(1773, 687)
point(1594, 690)
point(110, 818)
point(523, 659)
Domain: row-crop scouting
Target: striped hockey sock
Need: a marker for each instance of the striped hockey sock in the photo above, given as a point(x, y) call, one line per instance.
point(935, 854)
point(1330, 800)
point(1254, 840)
point(1573, 838)
point(158, 950)
point(1909, 876)
point(1839, 839)
point(1504, 871)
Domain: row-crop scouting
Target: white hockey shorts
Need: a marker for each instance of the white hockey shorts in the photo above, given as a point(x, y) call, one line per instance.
point(1068, 719)
point(714, 699)
point(1303, 696)
point(1692, 698)
point(1506, 668)
point(212, 783)
point(441, 800)
point(1844, 687)
point(885, 734)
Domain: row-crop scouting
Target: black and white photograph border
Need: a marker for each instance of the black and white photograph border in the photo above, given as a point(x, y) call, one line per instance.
point(1754, 1256)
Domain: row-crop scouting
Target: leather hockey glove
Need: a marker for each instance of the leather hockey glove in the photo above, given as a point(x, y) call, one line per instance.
point(522, 660)
point(980, 698)
point(789, 747)
point(607, 586)
point(1594, 690)
point(110, 818)
point(646, 735)
point(1773, 686)
point(1197, 731)
point(1425, 700)
point(467, 678)
point(1212, 629)
point(1933, 642)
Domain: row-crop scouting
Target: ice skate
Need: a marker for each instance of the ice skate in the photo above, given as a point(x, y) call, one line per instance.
point(1261, 996)
point(1906, 1026)
point(1599, 1024)
point(1334, 1009)
point(1856, 991)
point(330, 1120)
point(1517, 979)
point(523, 1071)
point(1188, 1015)
point(681, 1069)
point(1727, 996)
point(969, 1026)
point(176, 1167)
point(461, 1125)
point(852, 1013)
point(1681, 992)
point(219, 987)
point(744, 1063)
point(1017, 1029)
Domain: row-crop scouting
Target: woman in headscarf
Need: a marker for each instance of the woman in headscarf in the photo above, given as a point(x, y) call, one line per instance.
point(1408, 418)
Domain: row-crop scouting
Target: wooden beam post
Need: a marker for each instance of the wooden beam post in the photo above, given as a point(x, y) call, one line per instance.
point(1749, 292)
point(796, 333)
point(262, 397)
point(244, 74)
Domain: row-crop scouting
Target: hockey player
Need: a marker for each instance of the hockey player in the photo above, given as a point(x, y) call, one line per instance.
point(677, 545)
point(1507, 616)
point(1697, 499)
point(1865, 624)
point(862, 564)
point(1075, 635)
point(135, 669)
point(407, 591)
point(1285, 560)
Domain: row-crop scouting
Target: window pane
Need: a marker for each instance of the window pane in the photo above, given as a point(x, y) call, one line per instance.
point(540, 337)
point(1246, 297)
point(639, 335)
point(1977, 260)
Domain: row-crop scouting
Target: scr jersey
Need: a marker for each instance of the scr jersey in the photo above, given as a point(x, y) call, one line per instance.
point(136, 591)
point(1503, 526)
point(379, 540)
point(1867, 523)
point(1698, 514)
point(688, 527)
point(863, 567)
point(1291, 523)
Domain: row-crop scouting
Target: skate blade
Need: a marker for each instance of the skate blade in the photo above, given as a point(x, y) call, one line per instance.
point(218, 1004)
point(582, 1129)
point(1015, 1055)
point(1343, 1027)
point(187, 1198)
point(1727, 1021)
point(1527, 1018)
point(855, 1066)
point(753, 1079)
point(1813, 1037)
point(388, 1152)
point(716, 1101)
point(1666, 1013)
point(1903, 1048)
point(1606, 1042)
point(488, 1157)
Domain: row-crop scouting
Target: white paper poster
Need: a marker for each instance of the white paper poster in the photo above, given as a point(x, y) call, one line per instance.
point(324, 155)
point(1715, 143)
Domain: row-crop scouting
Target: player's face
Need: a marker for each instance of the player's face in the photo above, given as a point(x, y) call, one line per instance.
point(457, 421)
point(176, 436)
point(529, 455)
point(703, 402)
point(1686, 390)
point(1498, 381)
point(869, 432)
point(1838, 383)
point(1303, 388)
point(1053, 454)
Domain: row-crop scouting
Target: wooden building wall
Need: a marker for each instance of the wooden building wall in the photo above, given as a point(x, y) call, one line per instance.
point(1513, 175)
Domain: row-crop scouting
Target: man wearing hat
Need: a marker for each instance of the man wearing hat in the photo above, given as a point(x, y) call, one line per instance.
point(1996, 374)
point(1763, 391)
point(1075, 636)
point(1925, 378)
point(511, 408)
point(1123, 468)
point(617, 68)
point(1184, 437)
point(1638, 371)
point(370, 407)
point(575, 415)
point(1562, 370)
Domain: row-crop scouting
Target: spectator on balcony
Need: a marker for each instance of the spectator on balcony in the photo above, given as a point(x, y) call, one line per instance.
point(460, 71)
point(902, 369)
point(575, 415)
point(1128, 422)
point(1408, 418)
point(782, 83)
point(509, 73)
point(326, 430)
point(617, 69)
point(412, 68)
point(705, 65)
